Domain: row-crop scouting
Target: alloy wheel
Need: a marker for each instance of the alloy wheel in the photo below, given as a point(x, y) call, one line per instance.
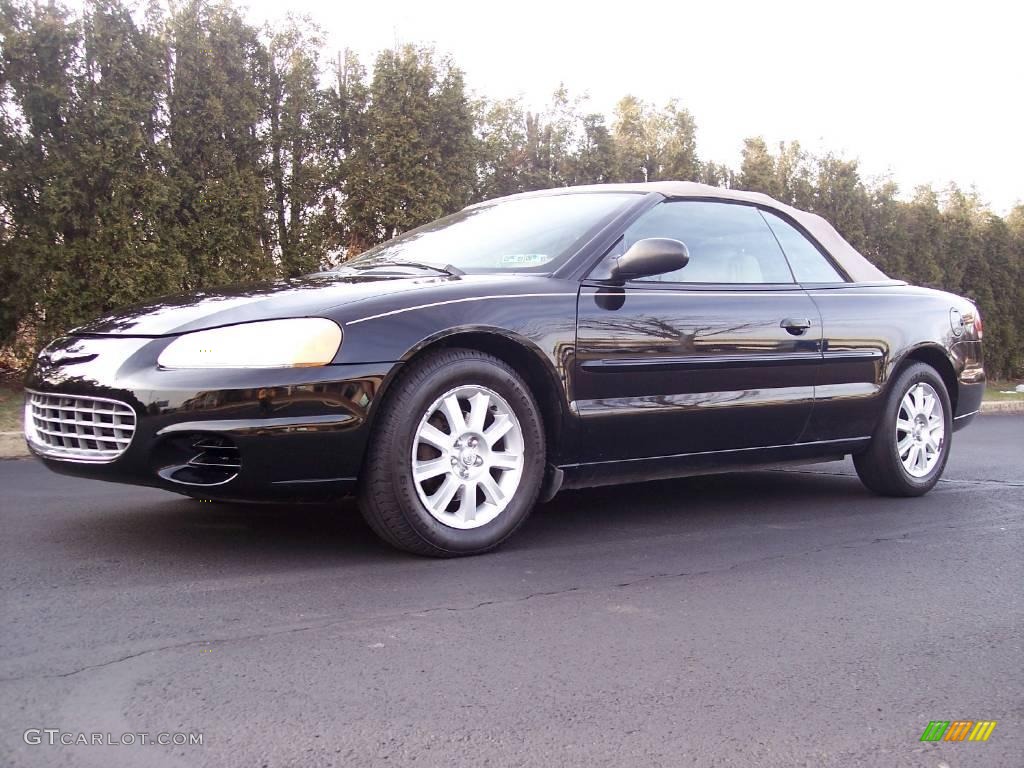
point(467, 456)
point(920, 429)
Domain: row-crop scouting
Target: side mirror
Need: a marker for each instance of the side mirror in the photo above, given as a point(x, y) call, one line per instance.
point(649, 257)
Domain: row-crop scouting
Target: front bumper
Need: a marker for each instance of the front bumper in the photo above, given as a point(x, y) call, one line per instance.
point(292, 433)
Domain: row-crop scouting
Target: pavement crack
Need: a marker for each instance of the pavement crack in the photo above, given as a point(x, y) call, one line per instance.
point(100, 665)
point(489, 603)
point(129, 657)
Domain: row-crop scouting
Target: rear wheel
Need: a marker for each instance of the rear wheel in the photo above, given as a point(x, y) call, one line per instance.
point(909, 449)
point(457, 456)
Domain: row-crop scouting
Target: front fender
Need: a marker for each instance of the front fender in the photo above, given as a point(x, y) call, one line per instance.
point(531, 325)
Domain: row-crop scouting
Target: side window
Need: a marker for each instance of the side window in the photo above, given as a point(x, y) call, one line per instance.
point(807, 262)
point(728, 243)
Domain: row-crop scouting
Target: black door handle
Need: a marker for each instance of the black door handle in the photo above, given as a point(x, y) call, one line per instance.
point(796, 325)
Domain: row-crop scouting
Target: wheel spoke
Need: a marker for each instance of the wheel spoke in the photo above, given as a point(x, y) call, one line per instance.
point(453, 413)
point(904, 445)
point(919, 398)
point(902, 425)
point(502, 424)
point(443, 496)
point(491, 489)
point(505, 460)
point(929, 404)
point(911, 460)
point(478, 405)
point(424, 470)
point(908, 405)
point(467, 507)
point(431, 435)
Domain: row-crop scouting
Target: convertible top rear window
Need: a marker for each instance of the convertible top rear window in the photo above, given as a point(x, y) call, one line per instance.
point(531, 234)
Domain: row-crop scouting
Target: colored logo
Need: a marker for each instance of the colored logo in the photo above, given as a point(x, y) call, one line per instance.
point(958, 730)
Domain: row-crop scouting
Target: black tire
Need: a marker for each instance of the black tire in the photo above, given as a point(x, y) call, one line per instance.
point(879, 466)
point(388, 496)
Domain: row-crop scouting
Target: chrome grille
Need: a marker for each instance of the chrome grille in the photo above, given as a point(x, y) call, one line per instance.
point(78, 428)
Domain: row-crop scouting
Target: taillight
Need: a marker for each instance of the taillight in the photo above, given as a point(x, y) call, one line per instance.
point(978, 325)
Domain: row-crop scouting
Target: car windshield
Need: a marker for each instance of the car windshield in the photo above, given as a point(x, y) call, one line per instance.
point(533, 234)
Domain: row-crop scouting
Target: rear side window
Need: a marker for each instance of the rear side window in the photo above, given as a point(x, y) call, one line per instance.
point(728, 243)
point(808, 263)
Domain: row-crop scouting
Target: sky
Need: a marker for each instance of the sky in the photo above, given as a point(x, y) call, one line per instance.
point(927, 92)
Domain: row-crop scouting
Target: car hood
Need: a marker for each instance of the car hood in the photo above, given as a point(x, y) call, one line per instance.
point(300, 297)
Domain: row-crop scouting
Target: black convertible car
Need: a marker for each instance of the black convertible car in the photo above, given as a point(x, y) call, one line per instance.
point(457, 374)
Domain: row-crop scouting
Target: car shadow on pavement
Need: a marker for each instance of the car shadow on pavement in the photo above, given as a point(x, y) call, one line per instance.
point(252, 536)
point(728, 498)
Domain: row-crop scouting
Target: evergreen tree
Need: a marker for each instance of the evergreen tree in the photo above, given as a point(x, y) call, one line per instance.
point(678, 152)
point(37, 145)
point(655, 145)
point(961, 235)
point(556, 132)
point(923, 226)
point(84, 189)
point(343, 127)
point(841, 197)
point(595, 157)
point(298, 147)
point(417, 161)
point(632, 146)
point(757, 168)
point(717, 175)
point(216, 102)
point(503, 152)
point(794, 174)
point(886, 231)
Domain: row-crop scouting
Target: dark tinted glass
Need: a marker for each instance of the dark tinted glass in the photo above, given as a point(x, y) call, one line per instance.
point(533, 234)
point(807, 262)
point(727, 243)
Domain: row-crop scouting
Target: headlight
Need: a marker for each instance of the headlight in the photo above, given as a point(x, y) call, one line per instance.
point(295, 343)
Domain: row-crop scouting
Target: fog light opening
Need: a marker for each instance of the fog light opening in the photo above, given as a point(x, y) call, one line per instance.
point(203, 460)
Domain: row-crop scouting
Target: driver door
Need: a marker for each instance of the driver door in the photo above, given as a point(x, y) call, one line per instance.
point(719, 355)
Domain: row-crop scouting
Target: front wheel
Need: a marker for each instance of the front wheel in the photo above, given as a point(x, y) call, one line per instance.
point(456, 458)
point(908, 452)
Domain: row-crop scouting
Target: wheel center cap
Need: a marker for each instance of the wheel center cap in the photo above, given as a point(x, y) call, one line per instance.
point(468, 457)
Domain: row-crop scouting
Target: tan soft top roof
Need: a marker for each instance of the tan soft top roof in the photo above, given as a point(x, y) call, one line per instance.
point(849, 258)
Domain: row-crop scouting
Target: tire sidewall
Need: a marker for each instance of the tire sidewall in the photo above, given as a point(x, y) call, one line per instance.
point(410, 408)
point(887, 434)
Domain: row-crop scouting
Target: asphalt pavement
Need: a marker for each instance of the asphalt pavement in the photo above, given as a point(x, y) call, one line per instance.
point(773, 618)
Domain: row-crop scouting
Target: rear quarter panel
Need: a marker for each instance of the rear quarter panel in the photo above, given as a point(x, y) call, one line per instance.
point(869, 332)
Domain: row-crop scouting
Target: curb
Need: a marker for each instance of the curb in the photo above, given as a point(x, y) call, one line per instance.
point(1003, 406)
point(12, 445)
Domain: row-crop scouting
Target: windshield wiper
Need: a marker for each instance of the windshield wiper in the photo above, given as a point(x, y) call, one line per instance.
point(447, 269)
